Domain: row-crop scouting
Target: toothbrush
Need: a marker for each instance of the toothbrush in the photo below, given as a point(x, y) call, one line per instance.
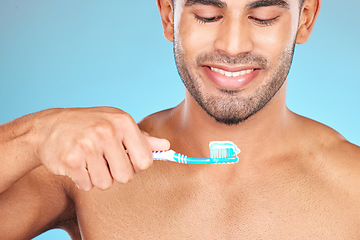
point(220, 152)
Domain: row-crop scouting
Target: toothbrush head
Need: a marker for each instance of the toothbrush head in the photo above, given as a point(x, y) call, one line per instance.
point(224, 151)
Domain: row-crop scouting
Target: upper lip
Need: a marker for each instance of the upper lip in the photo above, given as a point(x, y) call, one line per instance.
point(231, 68)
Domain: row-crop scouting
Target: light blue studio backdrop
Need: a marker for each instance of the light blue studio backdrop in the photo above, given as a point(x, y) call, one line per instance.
point(112, 53)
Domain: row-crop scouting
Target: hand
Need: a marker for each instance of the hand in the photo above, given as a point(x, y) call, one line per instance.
point(94, 146)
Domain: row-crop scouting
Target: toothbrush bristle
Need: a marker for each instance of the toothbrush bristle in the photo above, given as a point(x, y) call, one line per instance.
point(223, 149)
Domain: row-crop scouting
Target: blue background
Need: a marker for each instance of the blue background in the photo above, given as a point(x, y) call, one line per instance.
point(112, 53)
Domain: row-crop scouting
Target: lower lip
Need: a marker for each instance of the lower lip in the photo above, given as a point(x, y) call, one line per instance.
point(230, 82)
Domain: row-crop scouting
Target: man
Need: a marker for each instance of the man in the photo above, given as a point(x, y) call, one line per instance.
point(296, 178)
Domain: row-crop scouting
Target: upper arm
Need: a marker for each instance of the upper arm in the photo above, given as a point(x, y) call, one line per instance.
point(34, 204)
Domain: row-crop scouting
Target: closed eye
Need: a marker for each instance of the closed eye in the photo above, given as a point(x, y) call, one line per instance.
point(204, 20)
point(263, 22)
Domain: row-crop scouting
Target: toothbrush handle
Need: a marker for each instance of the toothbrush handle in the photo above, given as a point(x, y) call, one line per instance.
point(176, 157)
point(185, 159)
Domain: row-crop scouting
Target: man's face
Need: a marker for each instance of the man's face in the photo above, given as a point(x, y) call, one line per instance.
point(234, 55)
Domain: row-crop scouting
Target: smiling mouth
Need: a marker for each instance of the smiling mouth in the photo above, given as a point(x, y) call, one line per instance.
point(229, 77)
point(231, 74)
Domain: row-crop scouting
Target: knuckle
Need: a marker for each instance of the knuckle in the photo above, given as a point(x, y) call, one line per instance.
point(103, 183)
point(127, 117)
point(125, 178)
point(72, 156)
point(71, 160)
point(103, 129)
point(124, 119)
point(144, 164)
point(104, 186)
point(86, 144)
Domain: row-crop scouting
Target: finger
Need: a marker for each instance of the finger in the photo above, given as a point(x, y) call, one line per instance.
point(81, 178)
point(119, 163)
point(157, 144)
point(138, 149)
point(99, 172)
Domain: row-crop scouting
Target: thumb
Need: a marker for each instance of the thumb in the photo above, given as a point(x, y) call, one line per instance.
point(157, 144)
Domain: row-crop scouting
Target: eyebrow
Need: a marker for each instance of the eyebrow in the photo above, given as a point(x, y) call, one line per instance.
point(215, 3)
point(268, 3)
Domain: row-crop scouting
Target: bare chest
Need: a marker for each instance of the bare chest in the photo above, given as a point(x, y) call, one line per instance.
point(185, 211)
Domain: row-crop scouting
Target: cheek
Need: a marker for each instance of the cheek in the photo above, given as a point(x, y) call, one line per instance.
point(273, 40)
point(194, 37)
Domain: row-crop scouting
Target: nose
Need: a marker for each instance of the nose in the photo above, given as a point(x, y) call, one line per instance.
point(234, 37)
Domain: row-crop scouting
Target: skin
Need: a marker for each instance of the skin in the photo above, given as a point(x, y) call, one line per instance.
point(296, 178)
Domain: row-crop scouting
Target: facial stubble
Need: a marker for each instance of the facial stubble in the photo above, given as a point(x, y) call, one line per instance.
point(231, 107)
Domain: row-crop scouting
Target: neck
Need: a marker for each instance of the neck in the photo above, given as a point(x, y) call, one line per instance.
point(268, 130)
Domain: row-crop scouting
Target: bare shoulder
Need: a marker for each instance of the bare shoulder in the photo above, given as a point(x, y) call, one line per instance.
point(337, 158)
point(156, 124)
point(344, 159)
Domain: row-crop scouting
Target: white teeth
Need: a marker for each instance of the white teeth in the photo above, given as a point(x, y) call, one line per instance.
point(231, 74)
point(228, 74)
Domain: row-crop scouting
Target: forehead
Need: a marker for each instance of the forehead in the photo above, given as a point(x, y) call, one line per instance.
point(247, 3)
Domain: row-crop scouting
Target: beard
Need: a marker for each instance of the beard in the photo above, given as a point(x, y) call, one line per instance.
point(230, 107)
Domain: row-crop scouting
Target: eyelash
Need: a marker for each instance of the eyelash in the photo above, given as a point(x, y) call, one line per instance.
point(203, 20)
point(264, 22)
